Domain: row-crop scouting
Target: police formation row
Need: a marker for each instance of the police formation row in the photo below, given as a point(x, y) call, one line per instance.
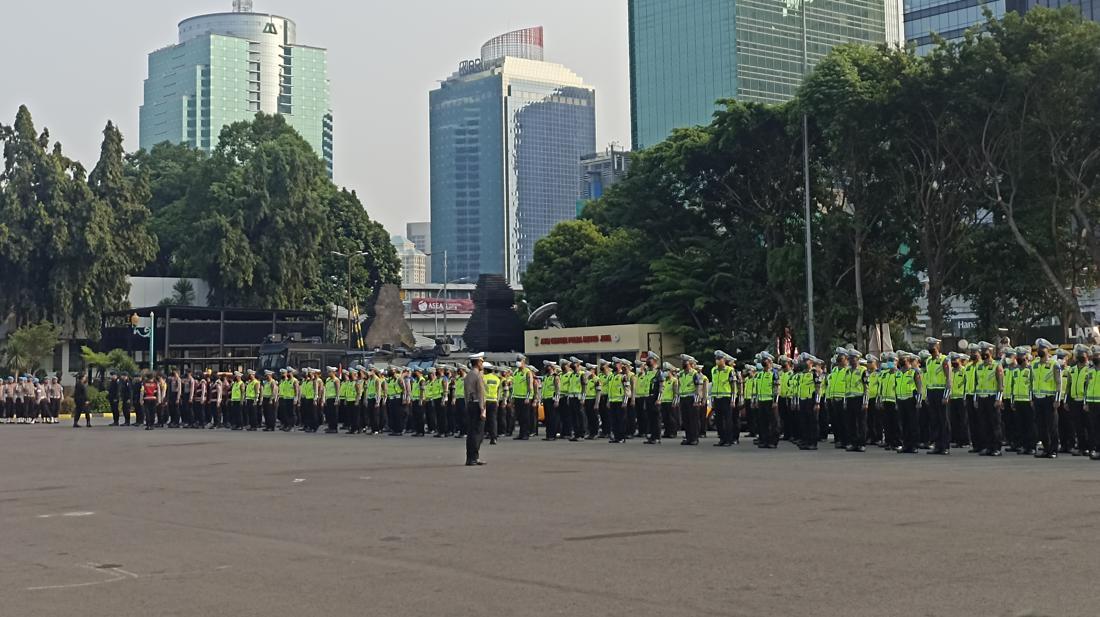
point(987, 399)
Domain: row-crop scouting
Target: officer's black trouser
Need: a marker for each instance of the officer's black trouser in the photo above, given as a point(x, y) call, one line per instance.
point(255, 413)
point(125, 404)
point(831, 417)
point(617, 413)
point(269, 413)
point(442, 421)
point(550, 409)
point(642, 413)
point(938, 420)
point(690, 416)
point(605, 417)
point(580, 422)
point(173, 415)
point(286, 413)
point(769, 422)
point(114, 410)
point(332, 416)
point(787, 425)
point(1092, 410)
point(631, 418)
point(1025, 425)
point(1079, 425)
point(353, 416)
point(668, 419)
point(856, 417)
point(524, 421)
point(723, 420)
point(397, 416)
point(592, 417)
point(960, 422)
point(236, 414)
point(459, 426)
point(653, 417)
point(973, 420)
point(891, 424)
point(1066, 437)
point(374, 420)
point(924, 422)
point(565, 416)
point(1046, 419)
point(874, 422)
point(149, 408)
point(910, 424)
point(991, 438)
point(475, 432)
point(807, 411)
point(187, 412)
point(491, 427)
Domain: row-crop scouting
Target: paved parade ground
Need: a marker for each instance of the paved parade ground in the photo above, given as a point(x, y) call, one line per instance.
point(120, 522)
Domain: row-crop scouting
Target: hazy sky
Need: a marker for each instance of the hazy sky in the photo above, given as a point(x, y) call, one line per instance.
point(79, 63)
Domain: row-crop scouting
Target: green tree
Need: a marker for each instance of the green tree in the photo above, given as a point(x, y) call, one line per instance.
point(260, 210)
point(1030, 93)
point(348, 230)
point(28, 346)
point(169, 170)
point(560, 273)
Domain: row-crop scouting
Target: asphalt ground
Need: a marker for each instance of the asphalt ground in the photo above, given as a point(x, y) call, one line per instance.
point(125, 522)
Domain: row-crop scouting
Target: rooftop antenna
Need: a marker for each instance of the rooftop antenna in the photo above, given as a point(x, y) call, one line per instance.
point(242, 6)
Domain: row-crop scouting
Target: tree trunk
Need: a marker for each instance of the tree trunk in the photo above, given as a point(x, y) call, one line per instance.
point(1068, 299)
point(935, 302)
point(860, 329)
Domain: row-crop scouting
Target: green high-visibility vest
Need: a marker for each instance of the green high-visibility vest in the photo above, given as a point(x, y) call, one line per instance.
point(721, 378)
point(854, 387)
point(837, 386)
point(415, 388)
point(267, 390)
point(986, 379)
point(308, 390)
point(520, 387)
point(888, 387)
point(347, 391)
point(1021, 384)
point(252, 388)
point(330, 388)
point(393, 388)
point(873, 384)
point(806, 385)
point(1042, 378)
point(590, 388)
point(548, 386)
point(460, 388)
point(372, 387)
point(1092, 385)
point(687, 384)
point(906, 384)
point(492, 388)
point(645, 383)
point(1077, 382)
point(237, 391)
point(765, 385)
point(286, 389)
point(616, 391)
point(936, 374)
point(668, 390)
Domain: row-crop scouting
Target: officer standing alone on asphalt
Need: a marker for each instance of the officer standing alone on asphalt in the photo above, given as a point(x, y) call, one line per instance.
point(474, 391)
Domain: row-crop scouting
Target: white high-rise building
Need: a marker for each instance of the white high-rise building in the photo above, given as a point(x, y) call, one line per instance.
point(414, 263)
point(225, 68)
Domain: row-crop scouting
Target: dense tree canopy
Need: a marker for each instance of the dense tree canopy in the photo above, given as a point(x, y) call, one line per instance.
point(974, 169)
point(259, 220)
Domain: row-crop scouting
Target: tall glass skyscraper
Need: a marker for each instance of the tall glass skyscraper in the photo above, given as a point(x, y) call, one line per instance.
point(685, 55)
point(951, 19)
point(508, 131)
point(226, 68)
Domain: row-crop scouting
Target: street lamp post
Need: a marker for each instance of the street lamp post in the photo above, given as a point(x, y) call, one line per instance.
point(811, 335)
point(349, 257)
point(445, 281)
